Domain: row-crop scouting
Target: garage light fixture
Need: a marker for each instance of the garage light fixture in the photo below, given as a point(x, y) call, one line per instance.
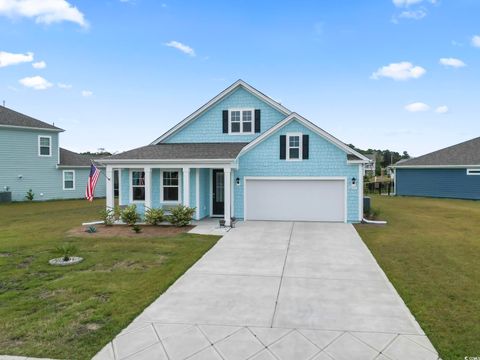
point(237, 180)
point(354, 181)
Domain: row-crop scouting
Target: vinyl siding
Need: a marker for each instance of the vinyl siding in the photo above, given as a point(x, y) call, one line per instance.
point(442, 183)
point(208, 126)
point(325, 159)
point(19, 156)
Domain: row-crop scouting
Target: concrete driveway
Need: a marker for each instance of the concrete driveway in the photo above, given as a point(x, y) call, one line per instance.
point(278, 290)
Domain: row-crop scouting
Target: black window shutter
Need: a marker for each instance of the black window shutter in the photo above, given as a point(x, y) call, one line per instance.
point(257, 120)
point(225, 121)
point(283, 147)
point(305, 147)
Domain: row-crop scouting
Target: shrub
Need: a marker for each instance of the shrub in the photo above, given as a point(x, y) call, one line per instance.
point(137, 228)
point(154, 216)
point(30, 195)
point(91, 229)
point(107, 216)
point(129, 215)
point(117, 212)
point(181, 215)
point(66, 251)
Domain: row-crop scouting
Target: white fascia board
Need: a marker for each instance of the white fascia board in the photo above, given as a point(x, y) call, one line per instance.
point(30, 128)
point(216, 99)
point(434, 166)
point(194, 163)
point(309, 125)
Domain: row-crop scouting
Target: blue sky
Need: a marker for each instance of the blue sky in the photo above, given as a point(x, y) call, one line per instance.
point(397, 74)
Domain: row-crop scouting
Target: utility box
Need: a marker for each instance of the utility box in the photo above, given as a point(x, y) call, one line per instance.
point(366, 204)
point(5, 196)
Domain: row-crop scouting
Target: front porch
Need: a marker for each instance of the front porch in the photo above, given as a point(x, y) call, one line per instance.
point(206, 187)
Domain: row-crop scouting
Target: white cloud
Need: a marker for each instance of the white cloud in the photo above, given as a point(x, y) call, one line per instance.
point(442, 109)
point(87, 93)
point(35, 82)
point(64, 86)
point(7, 59)
point(417, 107)
point(476, 41)
point(39, 65)
point(413, 14)
point(403, 3)
point(44, 11)
point(182, 47)
point(452, 62)
point(399, 71)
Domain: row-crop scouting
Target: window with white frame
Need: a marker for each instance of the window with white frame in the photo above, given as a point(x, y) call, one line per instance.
point(473, 171)
point(294, 146)
point(138, 185)
point(68, 180)
point(44, 146)
point(170, 186)
point(241, 121)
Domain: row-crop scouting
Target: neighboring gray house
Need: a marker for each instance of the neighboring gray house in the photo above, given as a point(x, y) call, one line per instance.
point(371, 166)
point(30, 158)
point(453, 172)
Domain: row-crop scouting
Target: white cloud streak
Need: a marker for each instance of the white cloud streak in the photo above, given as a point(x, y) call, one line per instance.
point(39, 65)
point(87, 93)
point(182, 47)
point(399, 71)
point(413, 14)
point(64, 86)
point(43, 11)
point(442, 109)
point(8, 59)
point(35, 82)
point(452, 62)
point(417, 107)
point(476, 41)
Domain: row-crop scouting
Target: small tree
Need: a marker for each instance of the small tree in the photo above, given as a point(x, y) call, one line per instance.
point(30, 195)
point(181, 215)
point(107, 216)
point(129, 215)
point(66, 251)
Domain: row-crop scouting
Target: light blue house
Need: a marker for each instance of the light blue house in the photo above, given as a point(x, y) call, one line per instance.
point(452, 172)
point(31, 158)
point(243, 155)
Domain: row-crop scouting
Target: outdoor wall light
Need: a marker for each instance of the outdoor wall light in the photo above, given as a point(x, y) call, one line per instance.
point(354, 181)
point(237, 180)
point(20, 177)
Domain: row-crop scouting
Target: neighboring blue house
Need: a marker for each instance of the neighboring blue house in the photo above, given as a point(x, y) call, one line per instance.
point(30, 158)
point(246, 156)
point(453, 172)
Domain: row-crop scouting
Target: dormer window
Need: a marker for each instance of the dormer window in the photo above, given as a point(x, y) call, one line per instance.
point(240, 121)
point(44, 146)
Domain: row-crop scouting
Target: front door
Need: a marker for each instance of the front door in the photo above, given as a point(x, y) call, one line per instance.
point(218, 205)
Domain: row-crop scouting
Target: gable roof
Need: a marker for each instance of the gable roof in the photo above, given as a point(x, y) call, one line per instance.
point(355, 156)
point(237, 84)
point(73, 159)
point(181, 151)
point(14, 119)
point(465, 153)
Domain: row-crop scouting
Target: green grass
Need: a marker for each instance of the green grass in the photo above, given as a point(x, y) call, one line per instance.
point(430, 251)
point(71, 312)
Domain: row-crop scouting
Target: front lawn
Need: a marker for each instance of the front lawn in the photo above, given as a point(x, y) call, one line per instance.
point(430, 251)
point(71, 312)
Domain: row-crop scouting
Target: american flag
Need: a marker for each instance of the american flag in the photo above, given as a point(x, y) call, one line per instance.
point(92, 181)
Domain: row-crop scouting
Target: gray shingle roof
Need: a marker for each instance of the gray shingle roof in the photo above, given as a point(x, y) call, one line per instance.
point(182, 151)
point(465, 153)
point(9, 117)
point(70, 158)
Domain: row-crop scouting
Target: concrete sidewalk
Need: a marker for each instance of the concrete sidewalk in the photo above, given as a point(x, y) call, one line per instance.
point(278, 290)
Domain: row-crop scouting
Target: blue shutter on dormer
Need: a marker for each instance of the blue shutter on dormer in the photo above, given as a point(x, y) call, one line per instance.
point(225, 121)
point(257, 120)
point(283, 147)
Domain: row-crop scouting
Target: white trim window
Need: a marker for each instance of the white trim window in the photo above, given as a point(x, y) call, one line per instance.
point(44, 145)
point(68, 179)
point(138, 185)
point(473, 171)
point(240, 121)
point(294, 146)
point(170, 186)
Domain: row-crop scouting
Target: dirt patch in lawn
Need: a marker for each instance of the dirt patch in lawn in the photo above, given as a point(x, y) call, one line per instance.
point(126, 231)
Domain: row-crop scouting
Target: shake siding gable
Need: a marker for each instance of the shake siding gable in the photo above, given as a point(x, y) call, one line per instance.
point(208, 127)
point(325, 159)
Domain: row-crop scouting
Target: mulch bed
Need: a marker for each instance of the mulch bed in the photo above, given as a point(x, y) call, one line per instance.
point(126, 231)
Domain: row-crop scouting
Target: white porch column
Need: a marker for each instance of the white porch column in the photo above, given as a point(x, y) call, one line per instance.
point(186, 186)
point(109, 187)
point(227, 183)
point(148, 187)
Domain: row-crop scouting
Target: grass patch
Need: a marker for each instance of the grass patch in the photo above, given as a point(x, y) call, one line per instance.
point(429, 250)
point(72, 312)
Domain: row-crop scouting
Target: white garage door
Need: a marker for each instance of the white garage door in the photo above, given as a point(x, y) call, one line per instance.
point(299, 199)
